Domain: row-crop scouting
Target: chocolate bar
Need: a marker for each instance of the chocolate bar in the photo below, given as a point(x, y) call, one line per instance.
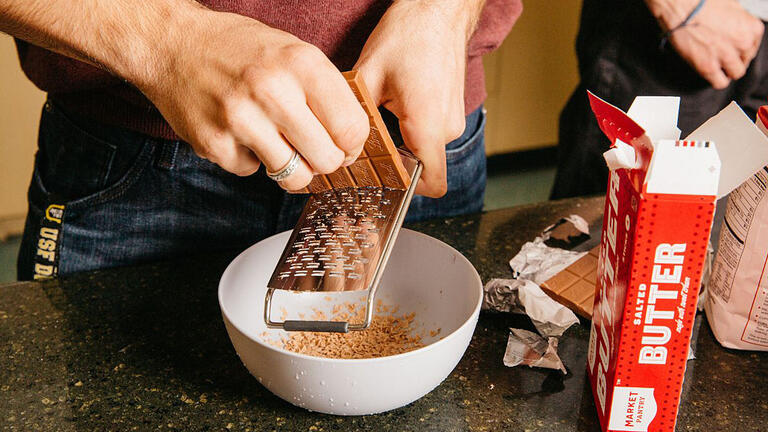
point(574, 287)
point(378, 165)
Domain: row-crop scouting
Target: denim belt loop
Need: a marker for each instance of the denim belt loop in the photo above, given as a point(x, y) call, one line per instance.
point(166, 156)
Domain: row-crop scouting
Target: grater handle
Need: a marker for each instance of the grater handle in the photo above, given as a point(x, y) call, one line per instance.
point(316, 326)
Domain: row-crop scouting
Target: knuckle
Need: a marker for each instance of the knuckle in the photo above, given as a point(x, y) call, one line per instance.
point(201, 150)
point(227, 165)
point(330, 162)
point(758, 28)
point(353, 134)
point(232, 114)
point(304, 56)
point(442, 187)
point(708, 69)
point(244, 170)
point(439, 189)
point(742, 44)
point(206, 143)
point(252, 74)
point(720, 83)
point(269, 85)
point(255, 168)
point(209, 150)
point(456, 128)
point(745, 44)
point(218, 149)
point(224, 162)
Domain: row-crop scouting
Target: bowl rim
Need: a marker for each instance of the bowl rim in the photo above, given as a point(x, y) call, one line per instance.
point(471, 320)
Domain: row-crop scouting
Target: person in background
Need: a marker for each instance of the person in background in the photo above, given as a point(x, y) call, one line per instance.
point(159, 115)
point(708, 52)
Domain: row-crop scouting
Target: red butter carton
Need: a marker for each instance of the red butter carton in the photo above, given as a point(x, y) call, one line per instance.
point(658, 214)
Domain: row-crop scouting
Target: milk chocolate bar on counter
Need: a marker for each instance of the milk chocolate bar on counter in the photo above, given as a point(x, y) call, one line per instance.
point(378, 165)
point(574, 287)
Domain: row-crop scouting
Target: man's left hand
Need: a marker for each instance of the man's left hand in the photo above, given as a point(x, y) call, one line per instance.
point(414, 65)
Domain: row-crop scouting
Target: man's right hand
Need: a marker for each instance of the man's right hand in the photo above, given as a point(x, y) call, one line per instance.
point(719, 42)
point(242, 93)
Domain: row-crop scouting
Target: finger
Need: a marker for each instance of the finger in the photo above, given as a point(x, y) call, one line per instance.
point(748, 55)
point(426, 141)
point(255, 131)
point(281, 101)
point(711, 71)
point(717, 79)
point(306, 134)
point(338, 110)
point(759, 30)
point(299, 178)
point(702, 57)
point(230, 156)
point(734, 67)
point(275, 152)
point(247, 162)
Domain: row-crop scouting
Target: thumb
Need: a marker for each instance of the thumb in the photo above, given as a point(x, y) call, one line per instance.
point(373, 78)
point(427, 143)
point(420, 128)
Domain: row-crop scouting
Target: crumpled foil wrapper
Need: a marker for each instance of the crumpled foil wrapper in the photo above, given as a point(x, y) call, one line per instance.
point(501, 295)
point(534, 264)
point(528, 348)
point(549, 317)
point(538, 262)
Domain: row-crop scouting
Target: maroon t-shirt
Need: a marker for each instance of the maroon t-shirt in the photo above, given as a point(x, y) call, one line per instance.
point(339, 29)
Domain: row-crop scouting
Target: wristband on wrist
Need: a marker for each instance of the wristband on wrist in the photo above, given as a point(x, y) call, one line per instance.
point(665, 35)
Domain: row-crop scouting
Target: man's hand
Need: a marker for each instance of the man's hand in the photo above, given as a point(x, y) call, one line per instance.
point(240, 92)
point(719, 42)
point(414, 64)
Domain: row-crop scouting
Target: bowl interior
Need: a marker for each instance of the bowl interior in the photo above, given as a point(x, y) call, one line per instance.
point(423, 276)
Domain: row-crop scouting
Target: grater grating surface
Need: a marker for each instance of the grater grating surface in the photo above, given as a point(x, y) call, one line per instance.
point(341, 243)
point(338, 241)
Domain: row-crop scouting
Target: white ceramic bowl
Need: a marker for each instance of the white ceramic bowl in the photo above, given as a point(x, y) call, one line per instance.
point(424, 276)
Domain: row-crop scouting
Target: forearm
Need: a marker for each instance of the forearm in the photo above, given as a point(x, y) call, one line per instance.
point(670, 13)
point(462, 15)
point(121, 36)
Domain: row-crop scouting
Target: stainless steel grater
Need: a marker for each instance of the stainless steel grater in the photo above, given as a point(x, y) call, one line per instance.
point(342, 242)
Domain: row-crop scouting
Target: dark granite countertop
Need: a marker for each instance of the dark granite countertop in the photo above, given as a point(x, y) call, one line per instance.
point(144, 348)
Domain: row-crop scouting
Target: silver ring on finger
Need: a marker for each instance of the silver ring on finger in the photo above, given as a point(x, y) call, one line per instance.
point(287, 169)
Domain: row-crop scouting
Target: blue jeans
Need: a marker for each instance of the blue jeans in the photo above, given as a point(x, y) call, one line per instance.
point(103, 196)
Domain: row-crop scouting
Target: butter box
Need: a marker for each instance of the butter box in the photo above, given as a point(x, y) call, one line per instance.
point(658, 215)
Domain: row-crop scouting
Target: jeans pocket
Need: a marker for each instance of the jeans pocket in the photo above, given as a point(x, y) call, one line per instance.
point(466, 166)
point(76, 172)
point(79, 168)
point(464, 145)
